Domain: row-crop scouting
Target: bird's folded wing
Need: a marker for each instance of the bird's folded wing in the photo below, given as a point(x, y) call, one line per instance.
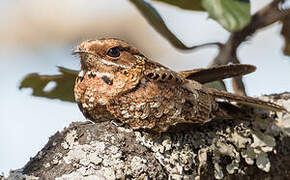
point(218, 73)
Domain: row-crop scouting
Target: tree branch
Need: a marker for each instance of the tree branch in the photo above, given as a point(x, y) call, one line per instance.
point(264, 17)
point(225, 149)
point(228, 52)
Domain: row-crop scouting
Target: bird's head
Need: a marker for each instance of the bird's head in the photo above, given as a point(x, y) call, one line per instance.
point(107, 53)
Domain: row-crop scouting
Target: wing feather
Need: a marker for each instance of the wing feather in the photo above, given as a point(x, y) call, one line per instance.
point(218, 73)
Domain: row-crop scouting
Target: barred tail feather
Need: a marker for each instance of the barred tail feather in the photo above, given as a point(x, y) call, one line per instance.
point(245, 100)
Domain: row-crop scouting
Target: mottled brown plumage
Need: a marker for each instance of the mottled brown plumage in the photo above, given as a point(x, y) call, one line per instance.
point(116, 81)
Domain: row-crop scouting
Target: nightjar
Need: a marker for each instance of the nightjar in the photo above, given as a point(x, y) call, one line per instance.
point(117, 81)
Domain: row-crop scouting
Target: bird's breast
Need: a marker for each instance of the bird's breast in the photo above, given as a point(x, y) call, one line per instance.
point(151, 104)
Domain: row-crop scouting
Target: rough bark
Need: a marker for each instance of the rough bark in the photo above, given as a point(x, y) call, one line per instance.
point(226, 149)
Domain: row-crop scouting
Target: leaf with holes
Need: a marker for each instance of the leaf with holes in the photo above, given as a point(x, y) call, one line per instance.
point(62, 90)
point(286, 34)
point(156, 21)
point(194, 5)
point(233, 15)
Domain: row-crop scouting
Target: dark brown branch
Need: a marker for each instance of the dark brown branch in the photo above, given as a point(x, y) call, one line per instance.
point(264, 17)
point(218, 44)
point(228, 52)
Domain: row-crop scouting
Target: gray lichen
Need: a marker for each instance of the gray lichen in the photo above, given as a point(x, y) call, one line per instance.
point(219, 149)
point(186, 154)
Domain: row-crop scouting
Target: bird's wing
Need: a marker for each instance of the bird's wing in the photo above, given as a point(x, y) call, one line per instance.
point(158, 72)
point(218, 73)
point(165, 75)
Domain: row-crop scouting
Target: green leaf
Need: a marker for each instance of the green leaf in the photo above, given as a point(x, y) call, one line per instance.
point(194, 5)
point(233, 15)
point(64, 84)
point(286, 34)
point(155, 20)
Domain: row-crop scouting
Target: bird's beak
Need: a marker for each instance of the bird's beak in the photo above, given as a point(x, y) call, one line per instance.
point(81, 51)
point(78, 51)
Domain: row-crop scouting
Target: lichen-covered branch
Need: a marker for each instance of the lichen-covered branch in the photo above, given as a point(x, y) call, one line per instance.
point(258, 148)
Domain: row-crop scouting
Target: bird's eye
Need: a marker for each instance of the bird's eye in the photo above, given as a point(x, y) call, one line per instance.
point(114, 52)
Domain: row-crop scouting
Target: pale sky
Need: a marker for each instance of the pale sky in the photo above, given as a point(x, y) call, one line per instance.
point(27, 122)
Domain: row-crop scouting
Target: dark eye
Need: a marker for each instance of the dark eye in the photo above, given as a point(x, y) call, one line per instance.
point(114, 52)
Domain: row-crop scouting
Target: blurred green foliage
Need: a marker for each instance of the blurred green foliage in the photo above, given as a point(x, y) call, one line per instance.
point(63, 89)
point(233, 15)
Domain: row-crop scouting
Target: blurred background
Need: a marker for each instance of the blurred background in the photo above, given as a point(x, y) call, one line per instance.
point(37, 36)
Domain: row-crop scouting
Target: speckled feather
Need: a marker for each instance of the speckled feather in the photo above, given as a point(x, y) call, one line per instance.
point(116, 81)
